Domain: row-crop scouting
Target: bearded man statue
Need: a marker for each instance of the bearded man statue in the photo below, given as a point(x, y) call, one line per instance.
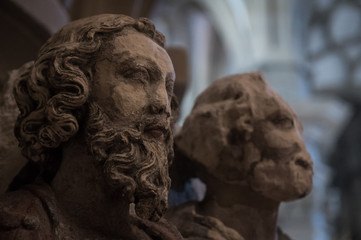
point(95, 125)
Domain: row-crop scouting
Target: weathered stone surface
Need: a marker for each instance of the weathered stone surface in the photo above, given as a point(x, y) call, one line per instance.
point(95, 125)
point(11, 160)
point(246, 144)
point(197, 226)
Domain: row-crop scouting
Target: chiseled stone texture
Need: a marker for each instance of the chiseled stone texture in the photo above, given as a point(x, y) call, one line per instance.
point(95, 125)
point(245, 142)
point(11, 160)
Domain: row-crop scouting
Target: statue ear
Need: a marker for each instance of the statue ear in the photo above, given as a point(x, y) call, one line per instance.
point(174, 104)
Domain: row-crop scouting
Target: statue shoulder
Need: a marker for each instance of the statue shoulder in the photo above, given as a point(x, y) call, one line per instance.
point(22, 216)
point(161, 230)
point(193, 225)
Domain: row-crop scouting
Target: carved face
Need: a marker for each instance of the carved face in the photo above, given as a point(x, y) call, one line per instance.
point(244, 133)
point(133, 86)
point(137, 77)
point(284, 171)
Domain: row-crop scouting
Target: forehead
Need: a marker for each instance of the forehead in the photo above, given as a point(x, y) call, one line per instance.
point(141, 48)
point(258, 95)
point(267, 102)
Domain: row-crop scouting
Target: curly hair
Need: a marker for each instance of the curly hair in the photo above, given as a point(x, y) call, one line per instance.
point(54, 89)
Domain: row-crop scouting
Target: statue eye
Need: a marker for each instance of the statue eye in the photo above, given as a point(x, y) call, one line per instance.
point(137, 73)
point(282, 122)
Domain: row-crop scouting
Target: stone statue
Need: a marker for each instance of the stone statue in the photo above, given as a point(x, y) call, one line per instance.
point(247, 146)
point(11, 160)
point(95, 125)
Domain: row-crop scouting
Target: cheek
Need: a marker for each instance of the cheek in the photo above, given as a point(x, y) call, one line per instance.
point(281, 182)
point(281, 139)
point(129, 99)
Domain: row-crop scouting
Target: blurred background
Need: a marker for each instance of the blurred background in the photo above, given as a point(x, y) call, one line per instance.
point(309, 51)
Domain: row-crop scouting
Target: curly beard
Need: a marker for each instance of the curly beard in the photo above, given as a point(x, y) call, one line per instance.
point(135, 168)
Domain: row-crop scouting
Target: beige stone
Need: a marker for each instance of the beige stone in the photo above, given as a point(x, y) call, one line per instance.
point(11, 160)
point(247, 146)
point(95, 125)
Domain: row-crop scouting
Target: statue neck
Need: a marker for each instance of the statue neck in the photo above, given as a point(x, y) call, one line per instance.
point(239, 207)
point(82, 198)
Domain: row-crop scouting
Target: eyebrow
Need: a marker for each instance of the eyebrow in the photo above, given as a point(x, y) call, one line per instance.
point(149, 64)
point(170, 76)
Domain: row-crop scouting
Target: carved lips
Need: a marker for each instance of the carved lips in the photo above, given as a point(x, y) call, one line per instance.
point(155, 131)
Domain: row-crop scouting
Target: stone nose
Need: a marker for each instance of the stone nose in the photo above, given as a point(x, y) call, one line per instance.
point(155, 108)
point(158, 101)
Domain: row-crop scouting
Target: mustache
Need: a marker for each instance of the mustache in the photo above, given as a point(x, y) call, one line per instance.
point(105, 140)
point(161, 120)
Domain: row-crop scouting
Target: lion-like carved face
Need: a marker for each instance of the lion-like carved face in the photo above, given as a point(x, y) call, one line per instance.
point(244, 133)
point(284, 172)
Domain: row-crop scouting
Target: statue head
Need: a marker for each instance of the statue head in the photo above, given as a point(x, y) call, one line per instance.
point(108, 79)
point(242, 132)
